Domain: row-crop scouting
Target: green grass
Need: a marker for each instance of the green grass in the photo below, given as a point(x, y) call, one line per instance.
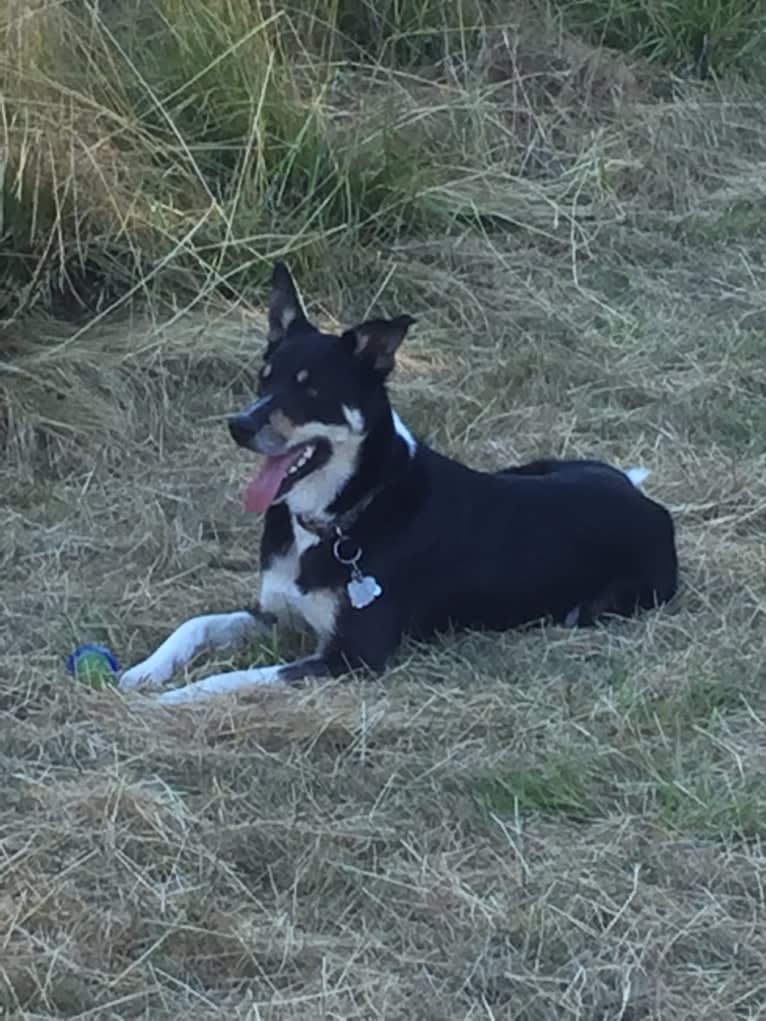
point(699, 37)
point(185, 144)
point(540, 826)
point(172, 148)
point(561, 789)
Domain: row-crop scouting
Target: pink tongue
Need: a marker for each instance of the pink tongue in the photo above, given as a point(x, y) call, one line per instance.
point(261, 490)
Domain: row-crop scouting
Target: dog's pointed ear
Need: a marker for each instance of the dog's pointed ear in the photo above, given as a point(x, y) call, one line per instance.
point(377, 341)
point(285, 305)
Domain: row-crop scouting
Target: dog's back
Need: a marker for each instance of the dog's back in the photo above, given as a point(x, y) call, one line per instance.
point(563, 541)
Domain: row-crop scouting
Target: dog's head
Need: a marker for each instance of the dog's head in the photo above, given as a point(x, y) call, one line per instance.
point(319, 396)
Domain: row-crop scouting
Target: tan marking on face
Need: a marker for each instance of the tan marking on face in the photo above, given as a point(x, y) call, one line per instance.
point(302, 376)
point(279, 421)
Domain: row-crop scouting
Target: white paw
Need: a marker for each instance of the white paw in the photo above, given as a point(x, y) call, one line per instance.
point(178, 696)
point(222, 684)
point(149, 673)
point(199, 691)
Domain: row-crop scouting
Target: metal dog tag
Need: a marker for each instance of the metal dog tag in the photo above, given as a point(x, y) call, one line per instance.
point(362, 590)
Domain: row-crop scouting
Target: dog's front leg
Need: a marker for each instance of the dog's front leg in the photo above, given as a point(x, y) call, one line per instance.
point(366, 642)
point(211, 631)
point(242, 680)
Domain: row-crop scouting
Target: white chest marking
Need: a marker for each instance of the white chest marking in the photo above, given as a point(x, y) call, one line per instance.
point(281, 596)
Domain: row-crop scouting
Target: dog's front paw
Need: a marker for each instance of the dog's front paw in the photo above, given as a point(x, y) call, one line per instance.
point(185, 695)
point(221, 684)
point(151, 673)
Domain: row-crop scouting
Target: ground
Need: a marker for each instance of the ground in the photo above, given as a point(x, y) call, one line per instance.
point(531, 826)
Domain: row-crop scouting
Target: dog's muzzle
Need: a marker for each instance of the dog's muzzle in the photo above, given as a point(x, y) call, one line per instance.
point(252, 430)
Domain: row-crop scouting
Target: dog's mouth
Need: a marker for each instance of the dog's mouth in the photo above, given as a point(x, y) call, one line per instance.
point(278, 473)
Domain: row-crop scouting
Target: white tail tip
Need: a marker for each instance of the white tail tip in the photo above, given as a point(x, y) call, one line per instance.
point(638, 475)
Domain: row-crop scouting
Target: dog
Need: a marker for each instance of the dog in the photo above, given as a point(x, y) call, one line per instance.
point(371, 535)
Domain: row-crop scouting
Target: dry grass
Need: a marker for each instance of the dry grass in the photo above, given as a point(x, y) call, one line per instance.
point(538, 826)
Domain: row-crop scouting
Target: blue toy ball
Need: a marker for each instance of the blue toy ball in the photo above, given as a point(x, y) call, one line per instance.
point(93, 663)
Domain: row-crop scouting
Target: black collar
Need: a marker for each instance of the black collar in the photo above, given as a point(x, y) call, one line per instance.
point(337, 526)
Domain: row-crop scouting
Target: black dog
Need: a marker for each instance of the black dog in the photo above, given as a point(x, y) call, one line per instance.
point(370, 535)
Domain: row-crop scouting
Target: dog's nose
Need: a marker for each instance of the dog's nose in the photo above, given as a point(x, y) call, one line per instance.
point(242, 429)
point(247, 423)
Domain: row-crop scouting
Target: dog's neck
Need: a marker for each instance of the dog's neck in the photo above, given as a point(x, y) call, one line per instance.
point(336, 526)
point(383, 456)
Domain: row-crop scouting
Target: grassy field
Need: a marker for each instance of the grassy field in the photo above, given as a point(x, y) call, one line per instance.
point(538, 826)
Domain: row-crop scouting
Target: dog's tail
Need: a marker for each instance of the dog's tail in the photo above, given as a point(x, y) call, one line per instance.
point(638, 475)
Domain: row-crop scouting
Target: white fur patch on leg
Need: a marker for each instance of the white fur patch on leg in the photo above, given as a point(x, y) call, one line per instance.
point(221, 684)
point(215, 630)
point(638, 475)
